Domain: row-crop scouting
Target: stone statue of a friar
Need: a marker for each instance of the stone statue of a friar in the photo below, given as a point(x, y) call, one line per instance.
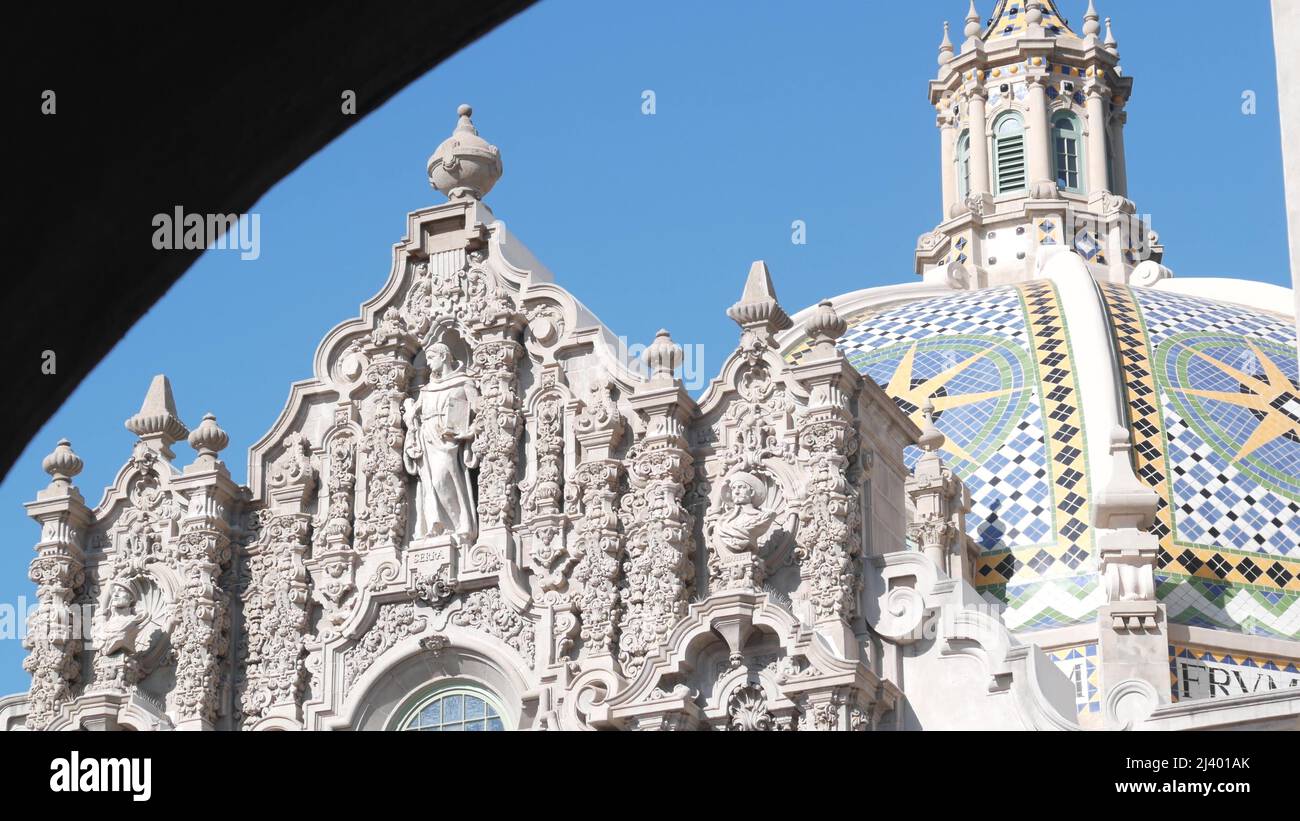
point(438, 425)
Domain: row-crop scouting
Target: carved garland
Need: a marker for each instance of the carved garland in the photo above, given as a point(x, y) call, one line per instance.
point(201, 637)
point(275, 615)
point(659, 570)
point(828, 545)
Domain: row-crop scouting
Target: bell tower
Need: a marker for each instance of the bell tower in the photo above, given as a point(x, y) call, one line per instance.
point(1031, 121)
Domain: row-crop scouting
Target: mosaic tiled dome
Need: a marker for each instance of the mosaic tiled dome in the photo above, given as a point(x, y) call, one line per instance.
point(1215, 419)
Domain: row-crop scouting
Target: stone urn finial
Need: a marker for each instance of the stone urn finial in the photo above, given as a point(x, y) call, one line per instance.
point(931, 438)
point(825, 327)
point(208, 439)
point(465, 165)
point(62, 464)
point(663, 357)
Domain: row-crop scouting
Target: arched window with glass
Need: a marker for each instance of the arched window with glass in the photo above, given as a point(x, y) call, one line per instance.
point(456, 707)
point(962, 160)
point(1009, 171)
point(1067, 137)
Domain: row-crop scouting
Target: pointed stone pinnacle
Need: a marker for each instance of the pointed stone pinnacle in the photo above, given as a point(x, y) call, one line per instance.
point(945, 47)
point(157, 424)
point(758, 285)
point(758, 308)
point(972, 21)
point(1091, 20)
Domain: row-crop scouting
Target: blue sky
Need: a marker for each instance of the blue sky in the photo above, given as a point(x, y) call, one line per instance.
point(766, 113)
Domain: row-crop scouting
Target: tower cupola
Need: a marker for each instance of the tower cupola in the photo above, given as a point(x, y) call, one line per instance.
point(1031, 118)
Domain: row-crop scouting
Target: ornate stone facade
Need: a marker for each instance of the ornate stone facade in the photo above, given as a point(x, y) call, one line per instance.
point(475, 498)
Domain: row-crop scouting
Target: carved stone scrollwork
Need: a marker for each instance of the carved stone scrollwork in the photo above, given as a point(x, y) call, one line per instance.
point(394, 622)
point(201, 637)
point(52, 644)
point(382, 519)
point(497, 430)
point(275, 611)
point(435, 590)
point(828, 544)
point(658, 570)
point(594, 491)
point(547, 500)
point(488, 611)
point(342, 480)
point(545, 494)
point(291, 477)
point(747, 710)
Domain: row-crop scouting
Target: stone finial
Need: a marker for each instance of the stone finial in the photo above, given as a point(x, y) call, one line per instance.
point(825, 327)
point(1124, 503)
point(1091, 24)
point(931, 438)
point(62, 464)
point(157, 424)
point(945, 47)
point(1110, 36)
point(1034, 14)
point(757, 309)
point(208, 439)
point(465, 164)
point(972, 21)
point(663, 357)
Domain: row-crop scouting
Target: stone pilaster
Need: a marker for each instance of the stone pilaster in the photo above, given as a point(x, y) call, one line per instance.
point(201, 638)
point(829, 542)
point(277, 600)
point(1098, 95)
point(55, 629)
point(382, 520)
point(660, 544)
point(497, 427)
point(1039, 137)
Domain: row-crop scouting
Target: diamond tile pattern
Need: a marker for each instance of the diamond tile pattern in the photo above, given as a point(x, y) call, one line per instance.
point(1021, 450)
point(1229, 518)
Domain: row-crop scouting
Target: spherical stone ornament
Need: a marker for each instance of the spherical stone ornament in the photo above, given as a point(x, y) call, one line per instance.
point(825, 325)
point(62, 463)
point(663, 356)
point(465, 165)
point(207, 438)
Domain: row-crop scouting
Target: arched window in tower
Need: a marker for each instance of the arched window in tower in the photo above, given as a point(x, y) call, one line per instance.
point(1067, 135)
point(1009, 153)
point(455, 708)
point(963, 166)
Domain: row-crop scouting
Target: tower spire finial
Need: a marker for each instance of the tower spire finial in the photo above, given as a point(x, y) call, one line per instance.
point(972, 21)
point(1091, 24)
point(945, 47)
point(1110, 36)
